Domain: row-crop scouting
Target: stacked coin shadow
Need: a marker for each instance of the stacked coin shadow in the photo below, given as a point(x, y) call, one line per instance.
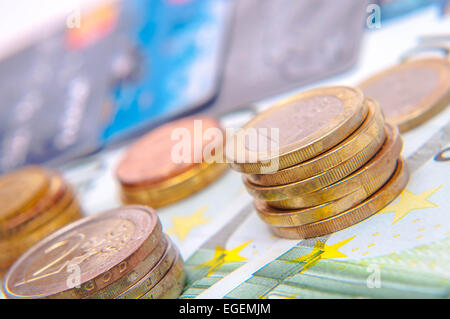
point(34, 203)
point(149, 174)
point(338, 163)
point(118, 254)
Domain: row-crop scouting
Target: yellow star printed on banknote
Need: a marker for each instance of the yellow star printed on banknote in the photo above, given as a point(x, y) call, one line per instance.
point(322, 251)
point(224, 256)
point(183, 225)
point(409, 201)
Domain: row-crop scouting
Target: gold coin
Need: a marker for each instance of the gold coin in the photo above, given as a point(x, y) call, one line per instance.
point(350, 154)
point(367, 177)
point(20, 189)
point(53, 202)
point(297, 217)
point(323, 179)
point(152, 263)
point(3, 272)
point(152, 277)
point(171, 285)
point(367, 208)
point(175, 291)
point(176, 188)
point(111, 280)
point(15, 246)
point(412, 92)
point(308, 124)
point(101, 248)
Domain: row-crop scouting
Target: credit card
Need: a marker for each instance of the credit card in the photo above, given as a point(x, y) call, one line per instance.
point(98, 74)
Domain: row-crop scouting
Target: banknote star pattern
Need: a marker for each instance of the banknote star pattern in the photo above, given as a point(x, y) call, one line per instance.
point(183, 225)
point(224, 256)
point(409, 201)
point(322, 251)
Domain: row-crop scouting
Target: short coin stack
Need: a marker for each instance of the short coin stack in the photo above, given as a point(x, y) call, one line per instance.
point(337, 163)
point(150, 175)
point(34, 202)
point(121, 253)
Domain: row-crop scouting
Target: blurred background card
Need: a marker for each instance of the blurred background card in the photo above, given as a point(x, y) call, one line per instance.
point(175, 51)
point(100, 70)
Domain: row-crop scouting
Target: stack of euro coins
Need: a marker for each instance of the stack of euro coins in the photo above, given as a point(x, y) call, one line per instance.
point(117, 254)
point(34, 202)
point(335, 162)
point(172, 162)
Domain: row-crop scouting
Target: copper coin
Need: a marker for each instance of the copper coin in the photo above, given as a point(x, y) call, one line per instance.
point(20, 189)
point(307, 124)
point(411, 92)
point(84, 256)
point(149, 160)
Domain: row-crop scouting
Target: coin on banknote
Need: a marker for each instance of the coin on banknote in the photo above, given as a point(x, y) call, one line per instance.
point(171, 284)
point(302, 216)
point(153, 276)
point(176, 188)
point(85, 256)
point(45, 207)
point(160, 154)
point(411, 92)
point(367, 178)
point(172, 162)
point(13, 246)
point(147, 273)
point(21, 189)
point(57, 196)
point(297, 129)
point(354, 215)
point(338, 161)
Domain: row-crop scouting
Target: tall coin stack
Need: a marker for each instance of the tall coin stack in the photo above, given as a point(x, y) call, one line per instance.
point(154, 171)
point(34, 202)
point(120, 254)
point(336, 161)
